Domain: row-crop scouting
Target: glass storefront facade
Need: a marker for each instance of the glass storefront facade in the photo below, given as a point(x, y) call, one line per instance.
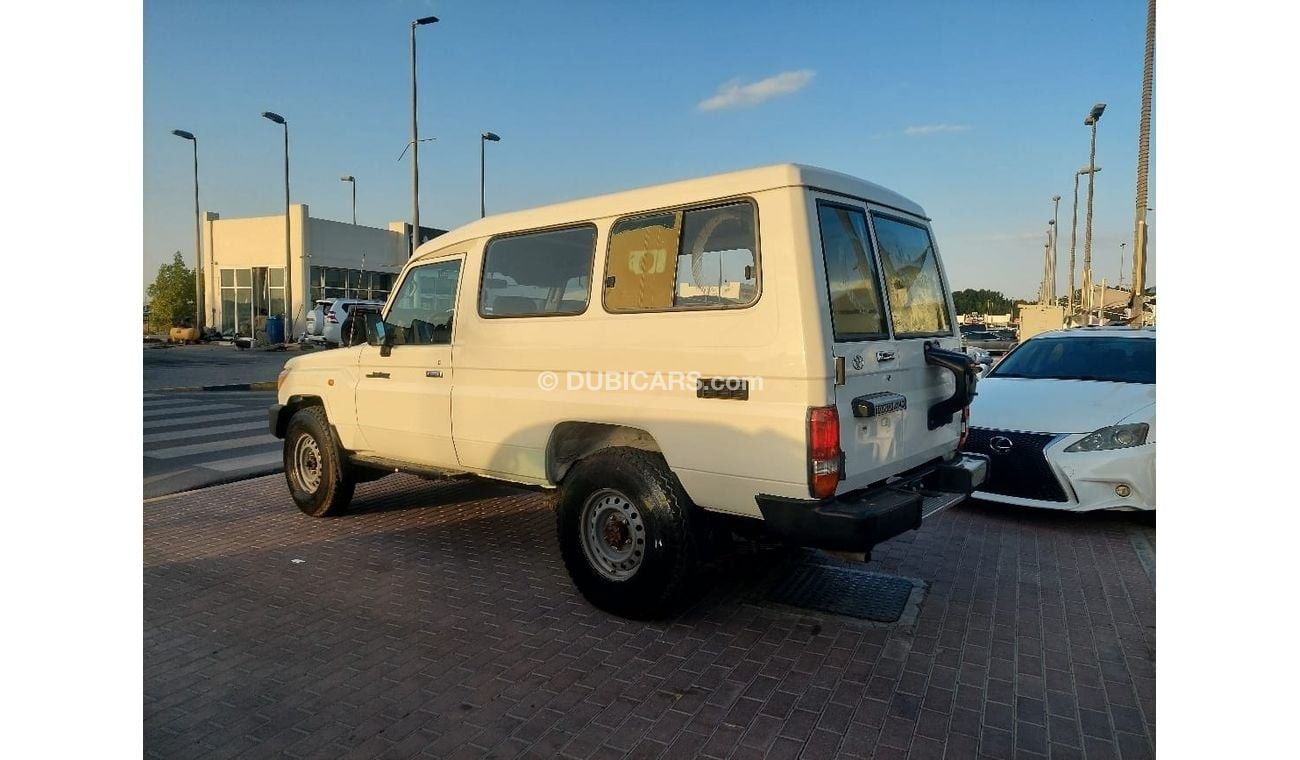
point(337, 282)
point(248, 297)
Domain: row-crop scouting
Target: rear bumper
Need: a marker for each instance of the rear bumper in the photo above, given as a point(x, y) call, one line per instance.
point(858, 520)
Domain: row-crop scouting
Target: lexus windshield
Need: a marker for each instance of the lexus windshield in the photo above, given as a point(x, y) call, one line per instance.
point(1111, 360)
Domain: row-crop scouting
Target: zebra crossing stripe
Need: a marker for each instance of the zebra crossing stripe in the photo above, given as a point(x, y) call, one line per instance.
point(206, 418)
point(264, 459)
point(226, 444)
point(180, 435)
point(192, 408)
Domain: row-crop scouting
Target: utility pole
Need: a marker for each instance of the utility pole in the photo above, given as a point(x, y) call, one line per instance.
point(1144, 150)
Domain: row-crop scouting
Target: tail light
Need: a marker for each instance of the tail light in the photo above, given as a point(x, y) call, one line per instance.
point(329, 317)
point(965, 427)
point(824, 455)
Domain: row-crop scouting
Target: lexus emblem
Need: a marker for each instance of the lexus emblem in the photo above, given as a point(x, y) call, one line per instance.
point(859, 362)
point(1000, 443)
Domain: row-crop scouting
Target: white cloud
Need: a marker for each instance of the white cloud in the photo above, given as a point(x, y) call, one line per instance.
point(925, 130)
point(733, 94)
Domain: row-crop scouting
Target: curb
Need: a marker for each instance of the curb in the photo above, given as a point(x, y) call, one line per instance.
point(268, 385)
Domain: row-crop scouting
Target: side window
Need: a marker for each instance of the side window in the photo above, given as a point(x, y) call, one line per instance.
point(690, 259)
point(851, 276)
point(917, 303)
point(423, 308)
point(538, 273)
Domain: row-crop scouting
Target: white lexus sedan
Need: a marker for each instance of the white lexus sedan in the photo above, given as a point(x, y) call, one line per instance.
point(1068, 421)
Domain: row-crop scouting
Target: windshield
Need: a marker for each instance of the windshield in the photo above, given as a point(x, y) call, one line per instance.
point(1112, 360)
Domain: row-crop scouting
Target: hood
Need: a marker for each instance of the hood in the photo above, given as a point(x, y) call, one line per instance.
point(1056, 406)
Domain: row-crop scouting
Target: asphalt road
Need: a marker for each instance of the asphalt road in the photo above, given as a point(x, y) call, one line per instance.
point(196, 366)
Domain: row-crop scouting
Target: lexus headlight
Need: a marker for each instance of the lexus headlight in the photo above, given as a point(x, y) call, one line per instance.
point(1113, 437)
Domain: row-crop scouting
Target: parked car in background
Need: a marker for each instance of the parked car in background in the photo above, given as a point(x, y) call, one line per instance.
point(354, 331)
point(996, 343)
point(1068, 420)
point(983, 359)
point(325, 321)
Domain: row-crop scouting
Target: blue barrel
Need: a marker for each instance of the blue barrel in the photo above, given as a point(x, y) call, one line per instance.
point(275, 329)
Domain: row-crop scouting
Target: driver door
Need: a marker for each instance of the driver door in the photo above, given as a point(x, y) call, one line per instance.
point(403, 393)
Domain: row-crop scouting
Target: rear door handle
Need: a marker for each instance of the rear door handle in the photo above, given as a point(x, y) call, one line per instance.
point(433, 373)
point(885, 356)
point(380, 375)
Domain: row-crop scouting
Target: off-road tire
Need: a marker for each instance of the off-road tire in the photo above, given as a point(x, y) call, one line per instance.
point(333, 491)
point(672, 548)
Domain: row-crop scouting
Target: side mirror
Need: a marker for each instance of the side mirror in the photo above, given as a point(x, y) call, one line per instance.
point(376, 330)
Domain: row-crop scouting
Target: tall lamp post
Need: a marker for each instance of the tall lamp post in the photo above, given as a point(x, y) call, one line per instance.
point(415, 141)
point(1056, 233)
point(198, 235)
point(1121, 265)
point(483, 140)
point(1090, 120)
point(1074, 232)
point(353, 180)
point(288, 256)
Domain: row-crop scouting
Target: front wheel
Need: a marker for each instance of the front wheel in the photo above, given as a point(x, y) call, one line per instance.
point(320, 481)
point(626, 532)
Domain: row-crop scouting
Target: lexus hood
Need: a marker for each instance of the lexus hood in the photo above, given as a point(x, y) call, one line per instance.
point(1055, 406)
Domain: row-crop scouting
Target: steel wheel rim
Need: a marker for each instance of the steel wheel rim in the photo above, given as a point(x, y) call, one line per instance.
point(613, 535)
point(307, 465)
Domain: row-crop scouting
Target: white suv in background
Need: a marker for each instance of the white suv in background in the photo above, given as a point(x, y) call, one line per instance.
point(324, 322)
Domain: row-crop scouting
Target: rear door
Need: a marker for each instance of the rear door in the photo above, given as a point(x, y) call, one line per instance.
point(887, 300)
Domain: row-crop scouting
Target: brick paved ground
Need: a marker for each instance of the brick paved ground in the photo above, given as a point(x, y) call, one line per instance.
point(438, 620)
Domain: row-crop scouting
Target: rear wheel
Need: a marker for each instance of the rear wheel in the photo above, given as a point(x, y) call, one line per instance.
point(626, 532)
point(320, 481)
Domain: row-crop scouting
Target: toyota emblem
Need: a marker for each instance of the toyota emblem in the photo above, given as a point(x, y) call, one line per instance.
point(1000, 443)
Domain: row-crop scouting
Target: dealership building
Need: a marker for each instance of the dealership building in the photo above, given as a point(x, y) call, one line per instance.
point(244, 262)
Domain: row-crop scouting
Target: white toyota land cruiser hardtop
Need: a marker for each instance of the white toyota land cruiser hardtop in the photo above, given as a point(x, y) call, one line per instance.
point(769, 350)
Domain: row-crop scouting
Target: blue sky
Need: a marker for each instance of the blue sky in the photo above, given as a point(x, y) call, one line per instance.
point(973, 109)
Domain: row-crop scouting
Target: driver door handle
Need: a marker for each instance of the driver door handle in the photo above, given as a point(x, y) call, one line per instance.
point(380, 375)
point(433, 373)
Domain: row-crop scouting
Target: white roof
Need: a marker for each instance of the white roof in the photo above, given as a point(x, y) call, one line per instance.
point(673, 194)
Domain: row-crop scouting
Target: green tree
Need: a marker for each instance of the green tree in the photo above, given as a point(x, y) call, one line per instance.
point(171, 296)
point(982, 301)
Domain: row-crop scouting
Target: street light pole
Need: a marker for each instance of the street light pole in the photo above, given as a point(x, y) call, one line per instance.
point(1074, 233)
point(483, 140)
point(1090, 121)
point(198, 234)
point(353, 181)
point(1056, 233)
point(288, 255)
point(415, 141)
point(1121, 265)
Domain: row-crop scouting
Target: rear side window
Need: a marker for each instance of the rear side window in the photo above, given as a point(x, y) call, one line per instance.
point(538, 274)
point(851, 276)
point(917, 303)
point(703, 258)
